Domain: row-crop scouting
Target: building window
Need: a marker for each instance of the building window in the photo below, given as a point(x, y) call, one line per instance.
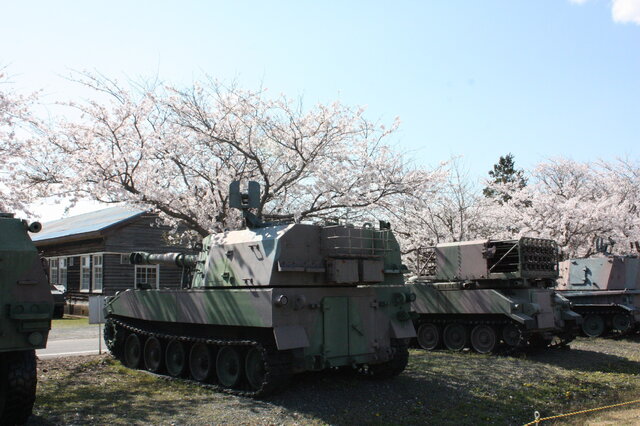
point(147, 275)
point(97, 273)
point(85, 273)
point(62, 271)
point(53, 271)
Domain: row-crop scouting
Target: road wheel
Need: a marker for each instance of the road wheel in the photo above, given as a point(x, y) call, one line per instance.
point(229, 366)
point(455, 337)
point(201, 362)
point(153, 355)
point(593, 325)
point(394, 366)
point(175, 358)
point(621, 323)
point(254, 368)
point(429, 336)
point(483, 339)
point(18, 379)
point(132, 351)
point(511, 335)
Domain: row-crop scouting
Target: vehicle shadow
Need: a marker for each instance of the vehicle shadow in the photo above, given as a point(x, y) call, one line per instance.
point(584, 360)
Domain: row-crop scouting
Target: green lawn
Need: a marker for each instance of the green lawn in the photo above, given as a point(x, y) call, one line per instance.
point(70, 322)
point(437, 387)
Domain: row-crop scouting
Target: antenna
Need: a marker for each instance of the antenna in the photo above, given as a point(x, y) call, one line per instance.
point(245, 201)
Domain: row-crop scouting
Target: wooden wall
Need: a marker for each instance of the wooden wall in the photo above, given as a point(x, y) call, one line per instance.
point(136, 234)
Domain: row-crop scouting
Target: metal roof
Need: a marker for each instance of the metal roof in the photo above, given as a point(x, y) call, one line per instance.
point(85, 223)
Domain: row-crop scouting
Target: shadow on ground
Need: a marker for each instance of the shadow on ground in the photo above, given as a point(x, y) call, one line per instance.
point(437, 387)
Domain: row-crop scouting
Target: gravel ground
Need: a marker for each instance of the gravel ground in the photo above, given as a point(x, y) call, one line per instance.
point(437, 388)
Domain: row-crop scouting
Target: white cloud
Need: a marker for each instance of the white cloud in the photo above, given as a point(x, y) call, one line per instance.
point(622, 11)
point(626, 11)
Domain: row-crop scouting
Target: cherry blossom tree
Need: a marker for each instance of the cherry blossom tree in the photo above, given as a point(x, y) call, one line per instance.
point(16, 124)
point(176, 150)
point(574, 203)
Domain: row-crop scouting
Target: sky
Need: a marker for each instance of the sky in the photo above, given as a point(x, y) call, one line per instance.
point(477, 79)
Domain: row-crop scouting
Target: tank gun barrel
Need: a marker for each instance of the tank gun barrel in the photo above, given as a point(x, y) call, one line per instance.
point(177, 259)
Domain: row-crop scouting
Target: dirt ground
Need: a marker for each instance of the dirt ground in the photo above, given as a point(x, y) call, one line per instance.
point(437, 388)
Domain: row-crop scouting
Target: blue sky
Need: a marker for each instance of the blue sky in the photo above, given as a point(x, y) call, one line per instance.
point(480, 79)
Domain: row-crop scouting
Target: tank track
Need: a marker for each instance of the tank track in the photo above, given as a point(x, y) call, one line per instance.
point(18, 386)
point(278, 365)
point(560, 340)
point(607, 315)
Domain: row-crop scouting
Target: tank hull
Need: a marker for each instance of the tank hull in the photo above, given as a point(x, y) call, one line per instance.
point(534, 316)
point(605, 290)
point(312, 328)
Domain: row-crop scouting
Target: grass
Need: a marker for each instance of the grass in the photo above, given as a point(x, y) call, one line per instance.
point(437, 387)
point(68, 321)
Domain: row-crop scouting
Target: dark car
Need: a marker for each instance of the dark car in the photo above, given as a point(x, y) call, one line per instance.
point(59, 294)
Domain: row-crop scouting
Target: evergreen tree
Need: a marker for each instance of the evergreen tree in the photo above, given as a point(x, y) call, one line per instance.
point(504, 171)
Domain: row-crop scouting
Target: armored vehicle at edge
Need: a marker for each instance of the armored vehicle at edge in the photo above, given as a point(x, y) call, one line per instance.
point(604, 289)
point(268, 301)
point(481, 293)
point(26, 307)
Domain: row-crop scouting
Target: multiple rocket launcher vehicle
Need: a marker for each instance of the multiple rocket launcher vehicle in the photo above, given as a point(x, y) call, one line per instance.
point(484, 293)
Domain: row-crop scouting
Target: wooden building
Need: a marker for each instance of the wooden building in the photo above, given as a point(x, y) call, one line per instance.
point(89, 254)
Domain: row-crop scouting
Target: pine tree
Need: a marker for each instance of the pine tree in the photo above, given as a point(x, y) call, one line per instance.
point(504, 171)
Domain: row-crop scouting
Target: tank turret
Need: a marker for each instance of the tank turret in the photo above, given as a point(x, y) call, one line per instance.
point(26, 308)
point(268, 301)
point(487, 292)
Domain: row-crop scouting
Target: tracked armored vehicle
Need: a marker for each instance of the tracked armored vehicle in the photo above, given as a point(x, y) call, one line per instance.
point(605, 290)
point(484, 293)
point(269, 301)
point(26, 308)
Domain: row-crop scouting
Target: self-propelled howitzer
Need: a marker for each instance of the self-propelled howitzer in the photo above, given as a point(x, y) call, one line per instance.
point(268, 301)
point(481, 293)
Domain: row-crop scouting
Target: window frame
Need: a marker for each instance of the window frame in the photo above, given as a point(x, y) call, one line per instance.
point(63, 265)
point(82, 276)
point(53, 265)
point(146, 267)
point(95, 266)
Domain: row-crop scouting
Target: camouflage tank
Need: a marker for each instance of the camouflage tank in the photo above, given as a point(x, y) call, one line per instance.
point(269, 301)
point(481, 293)
point(26, 307)
point(604, 289)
